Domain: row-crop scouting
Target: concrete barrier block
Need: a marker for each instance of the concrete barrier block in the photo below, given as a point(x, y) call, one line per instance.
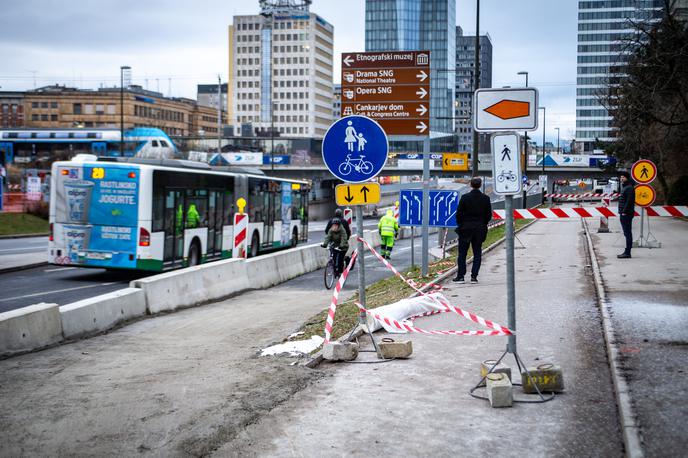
point(314, 257)
point(340, 351)
point(388, 348)
point(485, 367)
point(547, 377)
point(500, 392)
point(29, 328)
point(262, 272)
point(100, 313)
point(289, 264)
point(193, 285)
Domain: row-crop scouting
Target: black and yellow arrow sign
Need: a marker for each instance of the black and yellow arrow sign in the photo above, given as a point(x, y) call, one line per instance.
point(357, 194)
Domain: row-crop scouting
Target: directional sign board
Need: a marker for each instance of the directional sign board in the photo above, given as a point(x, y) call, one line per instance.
point(392, 88)
point(644, 171)
point(505, 109)
point(355, 149)
point(506, 163)
point(455, 162)
point(357, 194)
point(442, 207)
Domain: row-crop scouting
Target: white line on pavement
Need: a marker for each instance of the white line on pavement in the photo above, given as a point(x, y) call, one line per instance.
point(60, 269)
point(57, 291)
point(22, 248)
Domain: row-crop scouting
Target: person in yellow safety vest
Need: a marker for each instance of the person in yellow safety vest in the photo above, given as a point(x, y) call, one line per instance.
point(388, 228)
point(193, 219)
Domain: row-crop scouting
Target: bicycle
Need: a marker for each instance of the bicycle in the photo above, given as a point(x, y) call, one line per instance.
point(330, 275)
point(506, 175)
point(359, 165)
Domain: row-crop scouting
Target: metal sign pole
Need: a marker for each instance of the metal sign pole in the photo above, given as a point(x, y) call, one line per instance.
point(361, 265)
point(426, 206)
point(510, 275)
point(413, 254)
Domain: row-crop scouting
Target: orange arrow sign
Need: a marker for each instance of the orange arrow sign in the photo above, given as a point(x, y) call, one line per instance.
point(509, 109)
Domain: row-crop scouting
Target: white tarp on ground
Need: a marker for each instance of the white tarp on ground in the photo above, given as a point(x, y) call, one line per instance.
point(404, 309)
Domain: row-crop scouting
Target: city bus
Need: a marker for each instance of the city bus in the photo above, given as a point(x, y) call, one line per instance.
point(160, 214)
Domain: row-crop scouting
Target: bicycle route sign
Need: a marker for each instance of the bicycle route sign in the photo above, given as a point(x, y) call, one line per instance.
point(506, 163)
point(443, 204)
point(355, 149)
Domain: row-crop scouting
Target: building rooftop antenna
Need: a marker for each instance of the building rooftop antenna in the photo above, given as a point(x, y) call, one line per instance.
point(284, 6)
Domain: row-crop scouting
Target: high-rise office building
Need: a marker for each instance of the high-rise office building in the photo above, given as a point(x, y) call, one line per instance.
point(603, 27)
point(280, 70)
point(465, 61)
point(420, 25)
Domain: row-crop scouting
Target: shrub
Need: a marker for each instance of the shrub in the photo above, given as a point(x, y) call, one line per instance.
point(678, 193)
point(38, 208)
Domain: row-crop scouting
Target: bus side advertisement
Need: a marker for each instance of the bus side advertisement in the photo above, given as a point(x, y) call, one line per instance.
point(96, 216)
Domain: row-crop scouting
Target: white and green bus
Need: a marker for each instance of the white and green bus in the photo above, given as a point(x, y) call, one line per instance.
point(160, 214)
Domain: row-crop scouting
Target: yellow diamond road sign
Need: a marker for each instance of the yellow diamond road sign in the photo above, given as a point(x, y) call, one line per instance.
point(357, 194)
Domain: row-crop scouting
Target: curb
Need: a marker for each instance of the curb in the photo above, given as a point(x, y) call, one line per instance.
point(5, 270)
point(357, 332)
point(24, 236)
point(629, 426)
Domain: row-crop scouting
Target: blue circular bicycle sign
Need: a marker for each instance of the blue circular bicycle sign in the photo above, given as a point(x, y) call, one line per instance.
point(355, 149)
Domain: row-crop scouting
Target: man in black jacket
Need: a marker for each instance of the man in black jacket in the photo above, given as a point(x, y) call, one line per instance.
point(340, 220)
point(472, 215)
point(626, 211)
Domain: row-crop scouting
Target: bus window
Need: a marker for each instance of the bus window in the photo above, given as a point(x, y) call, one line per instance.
point(277, 198)
point(158, 208)
point(228, 214)
point(255, 200)
point(196, 203)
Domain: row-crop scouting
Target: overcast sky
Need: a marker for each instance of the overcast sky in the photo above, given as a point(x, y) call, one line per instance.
point(172, 45)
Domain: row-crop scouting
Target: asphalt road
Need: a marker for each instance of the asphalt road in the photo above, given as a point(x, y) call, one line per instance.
point(11, 247)
point(64, 285)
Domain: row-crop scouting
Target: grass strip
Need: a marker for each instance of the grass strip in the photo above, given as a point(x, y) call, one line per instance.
point(389, 290)
point(21, 223)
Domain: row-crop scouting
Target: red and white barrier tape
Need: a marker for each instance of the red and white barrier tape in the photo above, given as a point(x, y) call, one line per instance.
point(589, 212)
point(497, 329)
point(335, 297)
point(403, 326)
point(584, 195)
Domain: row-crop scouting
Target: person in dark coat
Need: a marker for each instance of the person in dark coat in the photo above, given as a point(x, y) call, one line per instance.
point(472, 215)
point(338, 215)
point(626, 211)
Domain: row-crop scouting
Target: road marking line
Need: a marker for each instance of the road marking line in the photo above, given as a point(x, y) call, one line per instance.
point(22, 248)
point(60, 269)
point(57, 291)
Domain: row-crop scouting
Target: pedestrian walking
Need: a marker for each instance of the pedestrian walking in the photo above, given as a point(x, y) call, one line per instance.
point(626, 211)
point(388, 228)
point(472, 215)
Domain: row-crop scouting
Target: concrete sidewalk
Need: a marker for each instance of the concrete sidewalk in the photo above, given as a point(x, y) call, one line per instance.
point(647, 299)
point(421, 406)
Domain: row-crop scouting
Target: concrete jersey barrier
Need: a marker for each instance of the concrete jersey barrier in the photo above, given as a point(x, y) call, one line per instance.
point(29, 328)
point(97, 314)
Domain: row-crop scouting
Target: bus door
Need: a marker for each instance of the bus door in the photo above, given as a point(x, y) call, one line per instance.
point(215, 212)
point(268, 215)
point(174, 226)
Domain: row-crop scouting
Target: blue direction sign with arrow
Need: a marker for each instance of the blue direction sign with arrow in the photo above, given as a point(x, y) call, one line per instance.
point(442, 208)
point(355, 149)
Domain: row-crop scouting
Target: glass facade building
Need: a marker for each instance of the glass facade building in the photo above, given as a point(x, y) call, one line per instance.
point(463, 109)
point(603, 30)
point(420, 25)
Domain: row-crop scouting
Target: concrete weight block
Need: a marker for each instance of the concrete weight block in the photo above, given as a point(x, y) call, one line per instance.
point(100, 313)
point(500, 392)
point(547, 377)
point(340, 351)
point(389, 348)
point(485, 367)
point(29, 328)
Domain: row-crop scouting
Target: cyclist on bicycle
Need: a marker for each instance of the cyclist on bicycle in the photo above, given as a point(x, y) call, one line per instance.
point(338, 241)
point(338, 215)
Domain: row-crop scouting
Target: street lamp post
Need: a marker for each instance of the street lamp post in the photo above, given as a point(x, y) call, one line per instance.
point(557, 139)
point(525, 152)
point(476, 85)
point(121, 108)
point(544, 121)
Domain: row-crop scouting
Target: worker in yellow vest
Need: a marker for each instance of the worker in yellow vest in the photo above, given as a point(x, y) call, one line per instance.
point(388, 228)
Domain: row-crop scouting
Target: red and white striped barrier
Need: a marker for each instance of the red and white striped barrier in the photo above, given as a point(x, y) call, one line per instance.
point(348, 216)
point(240, 233)
point(583, 196)
point(396, 211)
point(335, 297)
point(497, 329)
point(588, 212)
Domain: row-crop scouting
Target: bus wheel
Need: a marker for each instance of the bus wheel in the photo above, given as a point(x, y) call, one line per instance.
point(255, 242)
point(294, 237)
point(194, 254)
